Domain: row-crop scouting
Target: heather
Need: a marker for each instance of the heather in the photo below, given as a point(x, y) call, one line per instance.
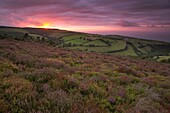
point(36, 77)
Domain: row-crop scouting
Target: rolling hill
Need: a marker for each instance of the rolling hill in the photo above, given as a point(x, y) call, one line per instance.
point(51, 70)
point(37, 77)
point(107, 44)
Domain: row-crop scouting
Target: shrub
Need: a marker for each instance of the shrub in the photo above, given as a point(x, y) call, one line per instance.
point(125, 69)
point(41, 75)
point(19, 93)
point(58, 101)
point(149, 81)
point(4, 106)
point(55, 63)
point(35, 78)
point(87, 107)
point(70, 84)
point(8, 66)
point(131, 95)
point(8, 73)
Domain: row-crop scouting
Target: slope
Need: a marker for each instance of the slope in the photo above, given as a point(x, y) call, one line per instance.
point(36, 77)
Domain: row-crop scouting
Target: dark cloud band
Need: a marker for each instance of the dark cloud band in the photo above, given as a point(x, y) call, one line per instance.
point(124, 13)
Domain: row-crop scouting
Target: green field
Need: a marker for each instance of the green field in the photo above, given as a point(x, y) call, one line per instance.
point(129, 52)
point(114, 47)
point(145, 49)
point(95, 43)
point(144, 41)
point(161, 58)
point(118, 45)
point(35, 35)
point(13, 30)
point(110, 40)
point(76, 41)
point(142, 47)
point(12, 34)
point(59, 34)
point(111, 44)
point(72, 37)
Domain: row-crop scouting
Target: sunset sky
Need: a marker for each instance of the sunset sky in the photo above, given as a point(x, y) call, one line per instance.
point(140, 18)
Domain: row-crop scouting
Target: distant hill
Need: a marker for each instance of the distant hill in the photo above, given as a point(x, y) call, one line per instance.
point(108, 44)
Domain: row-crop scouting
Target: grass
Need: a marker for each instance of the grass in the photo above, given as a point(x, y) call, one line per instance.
point(129, 52)
point(109, 40)
point(67, 38)
point(160, 58)
point(114, 47)
point(146, 49)
point(13, 30)
point(118, 45)
point(145, 42)
point(36, 35)
point(12, 34)
point(59, 34)
point(115, 37)
point(142, 47)
point(95, 43)
point(76, 41)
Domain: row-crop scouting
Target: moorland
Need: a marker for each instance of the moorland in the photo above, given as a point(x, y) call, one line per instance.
point(57, 71)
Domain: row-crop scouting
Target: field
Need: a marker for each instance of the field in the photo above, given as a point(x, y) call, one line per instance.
point(114, 47)
point(72, 37)
point(36, 77)
point(8, 30)
point(129, 52)
point(95, 43)
point(109, 44)
point(162, 58)
point(76, 41)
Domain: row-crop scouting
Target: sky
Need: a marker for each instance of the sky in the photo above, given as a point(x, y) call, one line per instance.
point(149, 19)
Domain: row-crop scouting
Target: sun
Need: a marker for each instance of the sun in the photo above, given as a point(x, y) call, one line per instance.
point(45, 25)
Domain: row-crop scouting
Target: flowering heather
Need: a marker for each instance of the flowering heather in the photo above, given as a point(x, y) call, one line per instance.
point(38, 78)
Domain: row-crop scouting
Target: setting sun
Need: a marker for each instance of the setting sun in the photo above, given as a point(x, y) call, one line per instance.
point(45, 25)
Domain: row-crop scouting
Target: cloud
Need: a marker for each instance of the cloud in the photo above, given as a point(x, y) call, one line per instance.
point(20, 4)
point(95, 12)
point(124, 23)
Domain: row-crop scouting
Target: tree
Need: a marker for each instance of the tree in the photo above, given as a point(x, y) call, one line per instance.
point(4, 35)
point(43, 39)
point(38, 38)
point(86, 49)
point(26, 35)
point(91, 45)
point(1, 36)
point(109, 44)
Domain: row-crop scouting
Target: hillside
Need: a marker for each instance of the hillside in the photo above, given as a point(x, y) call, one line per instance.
point(108, 44)
point(38, 77)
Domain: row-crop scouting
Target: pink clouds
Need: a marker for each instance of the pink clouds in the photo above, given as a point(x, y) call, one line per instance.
point(101, 16)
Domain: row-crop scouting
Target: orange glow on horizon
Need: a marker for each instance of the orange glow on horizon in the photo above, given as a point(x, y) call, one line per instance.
point(95, 28)
point(45, 25)
point(85, 28)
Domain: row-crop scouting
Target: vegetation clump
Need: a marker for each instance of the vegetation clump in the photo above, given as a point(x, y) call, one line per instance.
point(37, 77)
